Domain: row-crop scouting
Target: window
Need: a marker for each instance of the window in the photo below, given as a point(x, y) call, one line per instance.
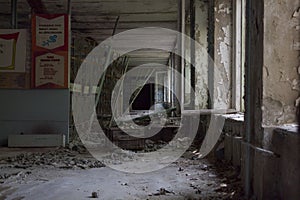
point(238, 69)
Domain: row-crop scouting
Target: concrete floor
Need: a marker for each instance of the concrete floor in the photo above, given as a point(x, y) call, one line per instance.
point(185, 179)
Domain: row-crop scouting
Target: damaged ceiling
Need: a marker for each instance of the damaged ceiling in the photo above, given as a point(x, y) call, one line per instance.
point(96, 19)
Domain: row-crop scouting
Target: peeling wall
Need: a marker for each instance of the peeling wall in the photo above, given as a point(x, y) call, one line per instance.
point(223, 54)
point(187, 44)
point(281, 61)
point(201, 72)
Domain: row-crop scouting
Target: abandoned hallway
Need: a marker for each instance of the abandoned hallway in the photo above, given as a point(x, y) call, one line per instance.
point(149, 99)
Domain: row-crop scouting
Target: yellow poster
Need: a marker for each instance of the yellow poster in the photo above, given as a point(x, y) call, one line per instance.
point(12, 46)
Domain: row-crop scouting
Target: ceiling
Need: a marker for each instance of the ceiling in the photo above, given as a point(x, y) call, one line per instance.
point(96, 19)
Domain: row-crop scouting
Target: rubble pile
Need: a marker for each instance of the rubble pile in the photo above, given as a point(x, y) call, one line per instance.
point(153, 145)
point(118, 156)
point(60, 158)
point(178, 143)
point(231, 184)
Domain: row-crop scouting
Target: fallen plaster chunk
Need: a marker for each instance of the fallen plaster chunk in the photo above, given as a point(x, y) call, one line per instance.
point(298, 102)
point(296, 46)
point(221, 6)
point(223, 9)
point(296, 13)
point(94, 195)
point(296, 85)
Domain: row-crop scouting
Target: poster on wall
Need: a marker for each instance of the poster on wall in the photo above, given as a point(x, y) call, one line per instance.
point(12, 50)
point(50, 70)
point(50, 46)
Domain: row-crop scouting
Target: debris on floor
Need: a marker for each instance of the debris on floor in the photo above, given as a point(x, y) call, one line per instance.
point(59, 158)
point(187, 178)
point(94, 195)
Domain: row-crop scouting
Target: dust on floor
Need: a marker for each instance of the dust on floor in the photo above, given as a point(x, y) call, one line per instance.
point(68, 174)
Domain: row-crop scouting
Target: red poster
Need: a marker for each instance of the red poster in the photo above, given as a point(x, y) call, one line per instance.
point(50, 45)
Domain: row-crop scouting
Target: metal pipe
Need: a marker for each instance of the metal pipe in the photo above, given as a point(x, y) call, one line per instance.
point(14, 14)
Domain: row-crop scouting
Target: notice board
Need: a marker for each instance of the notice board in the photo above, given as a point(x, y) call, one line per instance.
point(12, 50)
point(50, 51)
point(13, 59)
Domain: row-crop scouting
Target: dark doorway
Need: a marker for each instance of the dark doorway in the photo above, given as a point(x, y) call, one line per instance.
point(145, 98)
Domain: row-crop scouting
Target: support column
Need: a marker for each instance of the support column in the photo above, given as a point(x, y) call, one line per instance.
point(179, 60)
point(192, 52)
point(254, 84)
point(211, 51)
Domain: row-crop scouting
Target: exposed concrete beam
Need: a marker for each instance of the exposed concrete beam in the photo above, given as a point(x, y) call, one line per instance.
point(149, 54)
point(161, 63)
point(152, 59)
point(82, 13)
point(121, 25)
point(107, 31)
point(101, 35)
point(126, 7)
point(137, 44)
point(134, 17)
point(113, 7)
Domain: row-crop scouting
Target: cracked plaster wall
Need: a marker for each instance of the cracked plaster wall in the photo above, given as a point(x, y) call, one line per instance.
point(223, 54)
point(187, 43)
point(281, 69)
point(201, 72)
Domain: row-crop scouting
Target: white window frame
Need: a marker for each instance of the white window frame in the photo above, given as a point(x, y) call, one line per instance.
point(238, 54)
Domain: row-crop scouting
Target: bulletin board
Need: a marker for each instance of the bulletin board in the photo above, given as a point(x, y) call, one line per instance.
point(50, 51)
point(12, 50)
point(13, 59)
